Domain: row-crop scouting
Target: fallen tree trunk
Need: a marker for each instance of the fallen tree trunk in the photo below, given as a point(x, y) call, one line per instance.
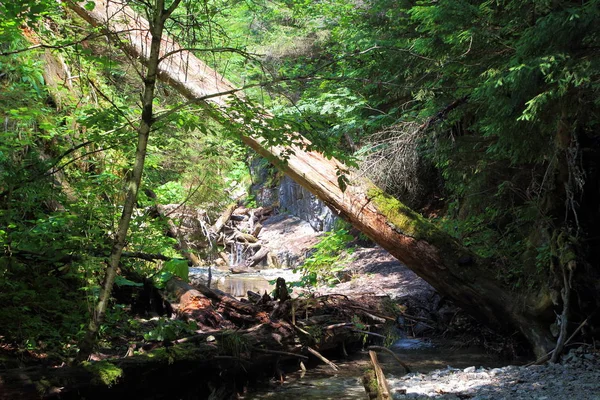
point(195, 306)
point(258, 257)
point(223, 218)
point(438, 258)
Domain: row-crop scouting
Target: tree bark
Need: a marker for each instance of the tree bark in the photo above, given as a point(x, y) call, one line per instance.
point(438, 258)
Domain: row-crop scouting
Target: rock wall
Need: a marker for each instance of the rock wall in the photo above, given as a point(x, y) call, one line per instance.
point(290, 198)
point(299, 202)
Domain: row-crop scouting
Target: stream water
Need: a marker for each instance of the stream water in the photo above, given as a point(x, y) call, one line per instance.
point(322, 382)
point(238, 285)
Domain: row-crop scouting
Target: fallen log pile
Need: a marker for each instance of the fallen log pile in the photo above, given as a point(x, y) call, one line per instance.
point(235, 234)
point(238, 342)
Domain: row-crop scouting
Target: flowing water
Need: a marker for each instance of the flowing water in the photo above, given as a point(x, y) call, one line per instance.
point(323, 383)
point(238, 285)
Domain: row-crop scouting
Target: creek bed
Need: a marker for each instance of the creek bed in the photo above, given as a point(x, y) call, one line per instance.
point(322, 383)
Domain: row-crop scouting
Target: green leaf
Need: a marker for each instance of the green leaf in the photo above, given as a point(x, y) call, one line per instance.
point(178, 268)
point(120, 281)
point(90, 5)
point(162, 278)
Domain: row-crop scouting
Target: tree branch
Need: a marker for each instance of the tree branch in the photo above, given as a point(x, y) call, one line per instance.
point(251, 56)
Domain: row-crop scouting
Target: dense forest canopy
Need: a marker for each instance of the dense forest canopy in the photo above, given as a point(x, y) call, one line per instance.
point(481, 115)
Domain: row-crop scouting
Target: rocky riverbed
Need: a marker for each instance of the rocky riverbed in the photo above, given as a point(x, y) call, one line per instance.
point(576, 377)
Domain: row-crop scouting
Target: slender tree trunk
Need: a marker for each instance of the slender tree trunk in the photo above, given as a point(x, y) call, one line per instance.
point(443, 262)
point(133, 184)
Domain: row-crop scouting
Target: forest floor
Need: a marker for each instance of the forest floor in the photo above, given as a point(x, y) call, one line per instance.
point(374, 271)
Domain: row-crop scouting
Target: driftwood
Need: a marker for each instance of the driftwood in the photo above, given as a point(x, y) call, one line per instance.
point(257, 258)
point(394, 355)
point(240, 270)
point(382, 384)
point(245, 237)
point(320, 357)
point(196, 301)
point(257, 229)
point(195, 306)
point(222, 220)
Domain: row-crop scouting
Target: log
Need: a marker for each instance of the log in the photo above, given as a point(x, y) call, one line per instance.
point(449, 267)
point(258, 257)
point(273, 261)
point(394, 355)
point(382, 384)
point(228, 306)
point(223, 218)
point(320, 357)
point(257, 229)
point(119, 378)
point(224, 256)
point(240, 270)
point(245, 237)
point(195, 306)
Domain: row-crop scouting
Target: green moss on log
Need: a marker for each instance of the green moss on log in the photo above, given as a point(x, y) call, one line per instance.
point(409, 223)
point(369, 381)
point(104, 372)
point(181, 352)
point(401, 218)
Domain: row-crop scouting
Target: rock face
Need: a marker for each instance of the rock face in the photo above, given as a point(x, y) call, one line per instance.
point(289, 197)
point(302, 216)
point(299, 202)
point(289, 237)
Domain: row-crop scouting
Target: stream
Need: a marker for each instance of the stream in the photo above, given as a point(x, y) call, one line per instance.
point(238, 285)
point(322, 382)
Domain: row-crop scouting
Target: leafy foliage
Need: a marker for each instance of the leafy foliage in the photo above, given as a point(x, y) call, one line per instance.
point(170, 330)
point(516, 158)
point(329, 257)
point(529, 76)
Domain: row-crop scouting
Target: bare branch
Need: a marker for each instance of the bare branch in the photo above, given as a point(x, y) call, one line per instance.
point(251, 56)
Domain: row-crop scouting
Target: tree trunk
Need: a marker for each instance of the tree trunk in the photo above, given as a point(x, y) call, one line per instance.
point(147, 120)
point(438, 258)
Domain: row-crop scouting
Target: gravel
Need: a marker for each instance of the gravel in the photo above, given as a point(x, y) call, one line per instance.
point(576, 377)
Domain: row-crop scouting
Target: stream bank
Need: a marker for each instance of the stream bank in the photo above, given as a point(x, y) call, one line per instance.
point(448, 373)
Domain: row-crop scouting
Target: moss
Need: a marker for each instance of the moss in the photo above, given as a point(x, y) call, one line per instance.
point(234, 344)
point(104, 372)
point(42, 386)
point(401, 218)
point(563, 248)
point(315, 332)
point(410, 223)
point(369, 381)
point(180, 352)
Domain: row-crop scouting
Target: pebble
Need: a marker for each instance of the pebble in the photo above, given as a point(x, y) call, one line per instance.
point(576, 377)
